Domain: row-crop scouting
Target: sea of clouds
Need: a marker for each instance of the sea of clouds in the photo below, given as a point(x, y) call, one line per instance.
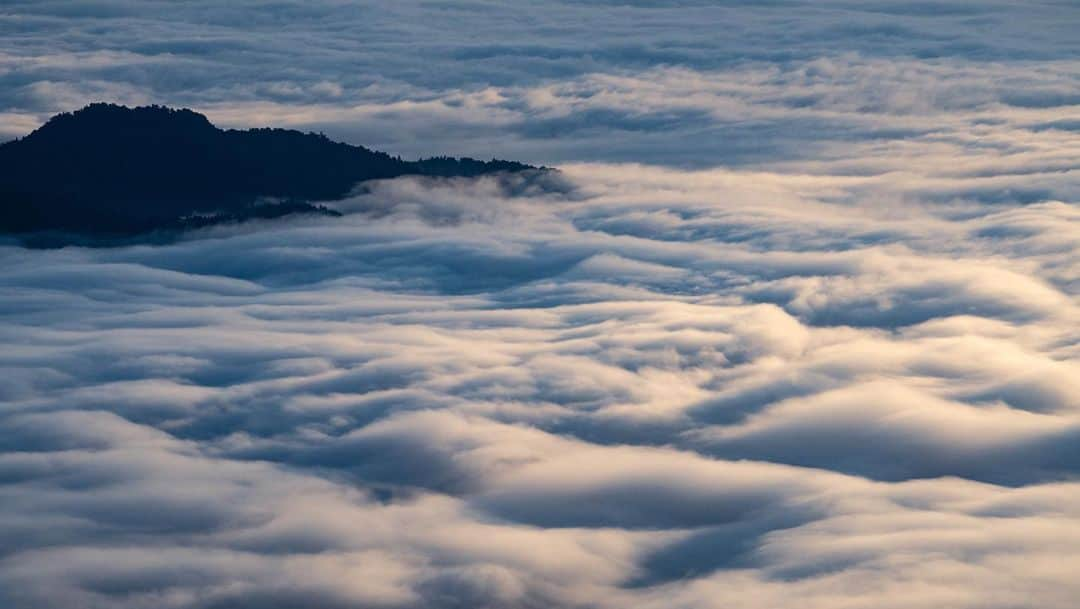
point(797, 322)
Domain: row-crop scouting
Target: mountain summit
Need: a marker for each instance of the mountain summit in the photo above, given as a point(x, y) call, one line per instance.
point(113, 171)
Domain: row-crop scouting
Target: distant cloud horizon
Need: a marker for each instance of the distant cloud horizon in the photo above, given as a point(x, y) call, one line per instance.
point(555, 82)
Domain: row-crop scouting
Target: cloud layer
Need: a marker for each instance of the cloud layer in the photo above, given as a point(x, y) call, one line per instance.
point(645, 387)
point(683, 83)
point(797, 324)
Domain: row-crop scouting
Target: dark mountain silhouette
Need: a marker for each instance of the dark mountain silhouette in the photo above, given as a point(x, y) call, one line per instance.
point(111, 171)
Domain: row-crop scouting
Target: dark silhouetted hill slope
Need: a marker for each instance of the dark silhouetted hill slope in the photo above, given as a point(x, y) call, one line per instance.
point(110, 170)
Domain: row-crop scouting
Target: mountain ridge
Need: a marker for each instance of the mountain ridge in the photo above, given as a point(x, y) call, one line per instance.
point(110, 171)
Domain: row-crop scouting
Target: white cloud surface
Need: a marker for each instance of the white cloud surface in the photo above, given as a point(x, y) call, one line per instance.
point(797, 324)
point(658, 387)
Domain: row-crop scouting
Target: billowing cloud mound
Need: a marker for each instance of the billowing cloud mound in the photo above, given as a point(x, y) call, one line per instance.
point(798, 324)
